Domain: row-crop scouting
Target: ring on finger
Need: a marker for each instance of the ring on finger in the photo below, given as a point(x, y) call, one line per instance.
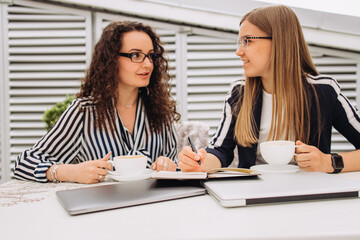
point(165, 165)
point(100, 177)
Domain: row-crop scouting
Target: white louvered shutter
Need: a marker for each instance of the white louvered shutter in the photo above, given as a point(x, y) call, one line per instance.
point(212, 67)
point(49, 47)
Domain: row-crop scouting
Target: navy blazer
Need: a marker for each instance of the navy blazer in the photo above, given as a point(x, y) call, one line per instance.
point(335, 110)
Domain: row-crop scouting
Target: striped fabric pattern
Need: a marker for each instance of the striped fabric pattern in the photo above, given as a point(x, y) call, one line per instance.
point(74, 139)
point(226, 119)
point(352, 114)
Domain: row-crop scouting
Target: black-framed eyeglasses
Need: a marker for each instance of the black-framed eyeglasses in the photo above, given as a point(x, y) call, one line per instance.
point(244, 41)
point(139, 57)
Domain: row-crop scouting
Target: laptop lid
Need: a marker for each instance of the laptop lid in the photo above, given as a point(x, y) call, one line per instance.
point(111, 196)
point(274, 188)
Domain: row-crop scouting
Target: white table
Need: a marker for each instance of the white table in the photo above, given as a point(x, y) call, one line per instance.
point(190, 218)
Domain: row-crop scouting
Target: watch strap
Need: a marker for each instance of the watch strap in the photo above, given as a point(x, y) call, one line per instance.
point(336, 170)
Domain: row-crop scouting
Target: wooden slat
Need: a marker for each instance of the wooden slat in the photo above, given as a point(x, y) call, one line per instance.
point(47, 50)
point(336, 69)
point(45, 84)
point(216, 63)
point(211, 47)
point(26, 117)
point(197, 39)
point(48, 67)
point(36, 100)
point(43, 92)
point(208, 89)
point(24, 17)
point(27, 133)
point(47, 59)
point(23, 141)
point(47, 42)
point(46, 34)
point(216, 72)
point(205, 106)
point(29, 125)
point(47, 75)
point(46, 25)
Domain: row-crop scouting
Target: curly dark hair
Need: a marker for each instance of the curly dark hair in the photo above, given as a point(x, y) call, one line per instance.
point(101, 80)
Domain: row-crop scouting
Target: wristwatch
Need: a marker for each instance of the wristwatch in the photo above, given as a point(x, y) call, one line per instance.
point(337, 162)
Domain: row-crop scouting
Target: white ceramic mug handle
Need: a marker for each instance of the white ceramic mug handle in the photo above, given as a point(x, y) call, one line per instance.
point(295, 151)
point(112, 164)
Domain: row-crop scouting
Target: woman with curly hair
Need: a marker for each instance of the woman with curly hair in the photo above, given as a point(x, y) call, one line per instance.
point(124, 107)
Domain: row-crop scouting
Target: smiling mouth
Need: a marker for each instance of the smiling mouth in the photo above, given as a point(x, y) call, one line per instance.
point(144, 74)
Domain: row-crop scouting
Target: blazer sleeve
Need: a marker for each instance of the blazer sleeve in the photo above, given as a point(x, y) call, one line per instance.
point(222, 143)
point(59, 145)
point(346, 118)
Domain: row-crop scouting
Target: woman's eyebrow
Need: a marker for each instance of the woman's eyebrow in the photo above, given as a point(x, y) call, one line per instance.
point(139, 50)
point(135, 49)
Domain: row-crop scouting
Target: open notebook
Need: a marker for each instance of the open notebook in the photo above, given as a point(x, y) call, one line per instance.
point(213, 173)
point(275, 188)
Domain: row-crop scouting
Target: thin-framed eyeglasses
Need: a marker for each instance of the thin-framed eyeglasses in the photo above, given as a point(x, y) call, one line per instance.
point(244, 41)
point(139, 57)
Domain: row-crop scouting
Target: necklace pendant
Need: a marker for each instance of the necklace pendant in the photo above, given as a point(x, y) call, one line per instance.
point(128, 106)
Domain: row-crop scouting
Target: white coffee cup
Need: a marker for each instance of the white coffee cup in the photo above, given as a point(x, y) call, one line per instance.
point(129, 165)
point(277, 152)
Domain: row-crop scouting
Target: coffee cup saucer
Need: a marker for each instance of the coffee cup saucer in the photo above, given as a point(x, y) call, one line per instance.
point(145, 175)
point(266, 168)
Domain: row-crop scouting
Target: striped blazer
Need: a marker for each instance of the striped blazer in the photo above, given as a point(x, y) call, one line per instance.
point(335, 109)
point(74, 139)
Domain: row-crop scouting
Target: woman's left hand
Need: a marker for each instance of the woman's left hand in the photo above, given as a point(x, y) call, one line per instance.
point(163, 164)
point(310, 158)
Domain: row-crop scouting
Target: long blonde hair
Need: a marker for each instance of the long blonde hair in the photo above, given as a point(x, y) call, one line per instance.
point(290, 62)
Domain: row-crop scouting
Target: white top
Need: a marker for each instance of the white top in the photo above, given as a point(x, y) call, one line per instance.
point(265, 125)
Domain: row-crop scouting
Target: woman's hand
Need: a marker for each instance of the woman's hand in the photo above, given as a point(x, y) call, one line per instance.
point(91, 171)
point(163, 164)
point(188, 160)
point(310, 158)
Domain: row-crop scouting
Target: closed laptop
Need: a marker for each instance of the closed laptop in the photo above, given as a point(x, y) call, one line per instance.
point(275, 188)
point(111, 196)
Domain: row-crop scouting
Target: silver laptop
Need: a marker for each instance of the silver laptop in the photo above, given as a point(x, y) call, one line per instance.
point(274, 188)
point(92, 199)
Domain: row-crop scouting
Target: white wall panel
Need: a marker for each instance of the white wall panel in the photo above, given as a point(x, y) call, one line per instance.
point(48, 51)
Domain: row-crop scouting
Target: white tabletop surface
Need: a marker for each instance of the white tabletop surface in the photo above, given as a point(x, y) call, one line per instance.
point(40, 216)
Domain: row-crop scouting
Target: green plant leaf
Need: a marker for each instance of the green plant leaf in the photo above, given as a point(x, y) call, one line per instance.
point(52, 115)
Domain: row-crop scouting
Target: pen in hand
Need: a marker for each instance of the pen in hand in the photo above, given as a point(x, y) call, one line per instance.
point(193, 148)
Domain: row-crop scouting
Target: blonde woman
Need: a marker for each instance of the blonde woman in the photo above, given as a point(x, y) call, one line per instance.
point(282, 98)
